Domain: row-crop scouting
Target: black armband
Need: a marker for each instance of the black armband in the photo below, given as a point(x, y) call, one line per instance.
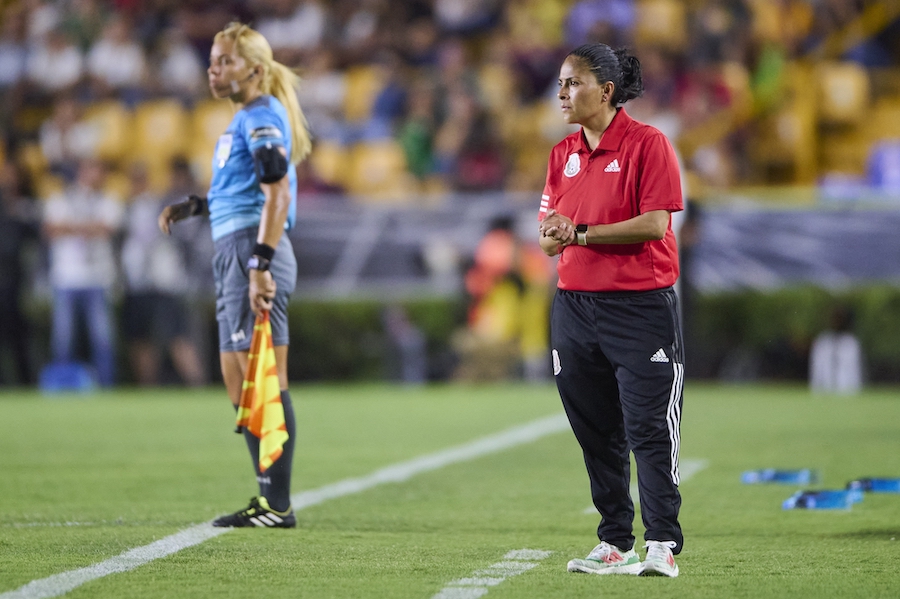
point(270, 164)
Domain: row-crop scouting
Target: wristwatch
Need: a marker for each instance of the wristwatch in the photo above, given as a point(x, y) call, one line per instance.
point(581, 234)
point(258, 263)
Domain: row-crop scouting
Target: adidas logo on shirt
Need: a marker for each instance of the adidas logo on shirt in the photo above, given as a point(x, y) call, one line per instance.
point(660, 356)
point(612, 167)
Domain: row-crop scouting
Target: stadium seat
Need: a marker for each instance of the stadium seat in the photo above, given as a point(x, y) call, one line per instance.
point(161, 130)
point(378, 172)
point(209, 120)
point(331, 162)
point(784, 142)
point(843, 92)
point(113, 123)
point(843, 151)
point(661, 23)
point(363, 84)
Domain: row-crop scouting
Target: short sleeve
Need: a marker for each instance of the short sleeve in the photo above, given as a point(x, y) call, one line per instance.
point(546, 197)
point(659, 187)
point(262, 126)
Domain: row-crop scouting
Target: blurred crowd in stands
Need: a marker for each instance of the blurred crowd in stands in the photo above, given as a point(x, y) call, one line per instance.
point(409, 99)
point(449, 94)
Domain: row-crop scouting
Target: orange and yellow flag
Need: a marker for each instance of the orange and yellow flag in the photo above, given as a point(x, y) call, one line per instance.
point(260, 410)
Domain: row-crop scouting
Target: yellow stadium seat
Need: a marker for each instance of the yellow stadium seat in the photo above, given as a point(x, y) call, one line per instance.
point(113, 123)
point(661, 23)
point(883, 119)
point(209, 120)
point(843, 92)
point(843, 152)
point(378, 172)
point(161, 131)
point(331, 162)
point(363, 84)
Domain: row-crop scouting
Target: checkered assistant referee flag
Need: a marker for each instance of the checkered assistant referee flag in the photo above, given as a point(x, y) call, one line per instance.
point(260, 410)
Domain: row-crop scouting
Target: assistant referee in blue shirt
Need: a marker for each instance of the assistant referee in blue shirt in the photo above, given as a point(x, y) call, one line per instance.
point(251, 203)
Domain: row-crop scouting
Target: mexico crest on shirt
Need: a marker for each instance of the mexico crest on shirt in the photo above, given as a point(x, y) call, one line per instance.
point(573, 165)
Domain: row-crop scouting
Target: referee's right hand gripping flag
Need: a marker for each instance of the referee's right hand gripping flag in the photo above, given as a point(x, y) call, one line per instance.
point(260, 410)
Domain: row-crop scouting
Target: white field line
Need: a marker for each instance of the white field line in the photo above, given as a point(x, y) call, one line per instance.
point(514, 563)
point(688, 468)
point(60, 584)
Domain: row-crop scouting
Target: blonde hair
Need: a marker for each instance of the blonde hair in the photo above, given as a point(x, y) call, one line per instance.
point(277, 80)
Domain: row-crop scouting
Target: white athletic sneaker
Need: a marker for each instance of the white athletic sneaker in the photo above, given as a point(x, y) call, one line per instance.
point(659, 560)
point(607, 559)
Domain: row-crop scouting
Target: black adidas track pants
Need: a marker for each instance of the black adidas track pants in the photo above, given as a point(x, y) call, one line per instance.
point(619, 366)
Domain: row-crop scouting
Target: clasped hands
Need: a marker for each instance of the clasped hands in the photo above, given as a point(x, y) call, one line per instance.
point(559, 228)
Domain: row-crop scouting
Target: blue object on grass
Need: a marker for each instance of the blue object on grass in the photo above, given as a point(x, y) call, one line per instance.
point(876, 485)
point(804, 476)
point(67, 376)
point(842, 499)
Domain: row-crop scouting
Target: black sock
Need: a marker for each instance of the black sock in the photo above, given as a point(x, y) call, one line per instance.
point(253, 445)
point(278, 476)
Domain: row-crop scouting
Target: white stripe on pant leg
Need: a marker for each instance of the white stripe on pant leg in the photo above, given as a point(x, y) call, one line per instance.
point(673, 417)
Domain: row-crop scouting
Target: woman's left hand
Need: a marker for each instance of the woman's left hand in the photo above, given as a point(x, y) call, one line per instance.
point(558, 227)
point(262, 290)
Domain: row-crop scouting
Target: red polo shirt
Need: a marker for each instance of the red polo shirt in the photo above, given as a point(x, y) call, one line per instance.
point(632, 171)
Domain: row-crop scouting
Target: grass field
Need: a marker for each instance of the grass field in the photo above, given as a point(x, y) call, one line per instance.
point(88, 478)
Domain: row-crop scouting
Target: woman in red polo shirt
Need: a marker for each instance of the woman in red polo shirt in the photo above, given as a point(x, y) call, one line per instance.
point(615, 334)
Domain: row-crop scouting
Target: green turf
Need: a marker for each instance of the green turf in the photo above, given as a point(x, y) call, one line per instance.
point(86, 478)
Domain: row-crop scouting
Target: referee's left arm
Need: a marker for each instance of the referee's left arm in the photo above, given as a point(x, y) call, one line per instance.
point(271, 228)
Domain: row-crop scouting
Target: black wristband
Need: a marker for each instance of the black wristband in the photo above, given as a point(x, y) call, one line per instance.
point(264, 251)
point(198, 205)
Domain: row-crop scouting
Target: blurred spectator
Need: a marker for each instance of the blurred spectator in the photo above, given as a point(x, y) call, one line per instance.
point(80, 225)
point(720, 31)
point(43, 16)
point(55, 63)
point(116, 62)
point(467, 147)
point(13, 56)
point(509, 288)
point(389, 104)
point(154, 315)
point(177, 67)
point(321, 94)
point(66, 139)
point(84, 22)
point(18, 233)
point(836, 357)
point(408, 362)
point(192, 235)
point(607, 21)
point(416, 133)
point(466, 18)
point(419, 45)
point(293, 28)
point(200, 20)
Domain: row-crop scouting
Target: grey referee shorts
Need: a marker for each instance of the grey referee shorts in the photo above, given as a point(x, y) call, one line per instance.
point(232, 289)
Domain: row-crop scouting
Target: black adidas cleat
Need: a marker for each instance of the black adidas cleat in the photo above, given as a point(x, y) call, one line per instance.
point(258, 513)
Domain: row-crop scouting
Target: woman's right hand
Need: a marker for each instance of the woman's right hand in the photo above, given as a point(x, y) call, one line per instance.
point(172, 214)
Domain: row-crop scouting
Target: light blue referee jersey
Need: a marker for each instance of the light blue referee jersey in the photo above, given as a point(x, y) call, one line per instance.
point(235, 197)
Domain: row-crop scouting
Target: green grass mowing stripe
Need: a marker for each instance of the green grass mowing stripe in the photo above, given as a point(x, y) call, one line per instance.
point(59, 584)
